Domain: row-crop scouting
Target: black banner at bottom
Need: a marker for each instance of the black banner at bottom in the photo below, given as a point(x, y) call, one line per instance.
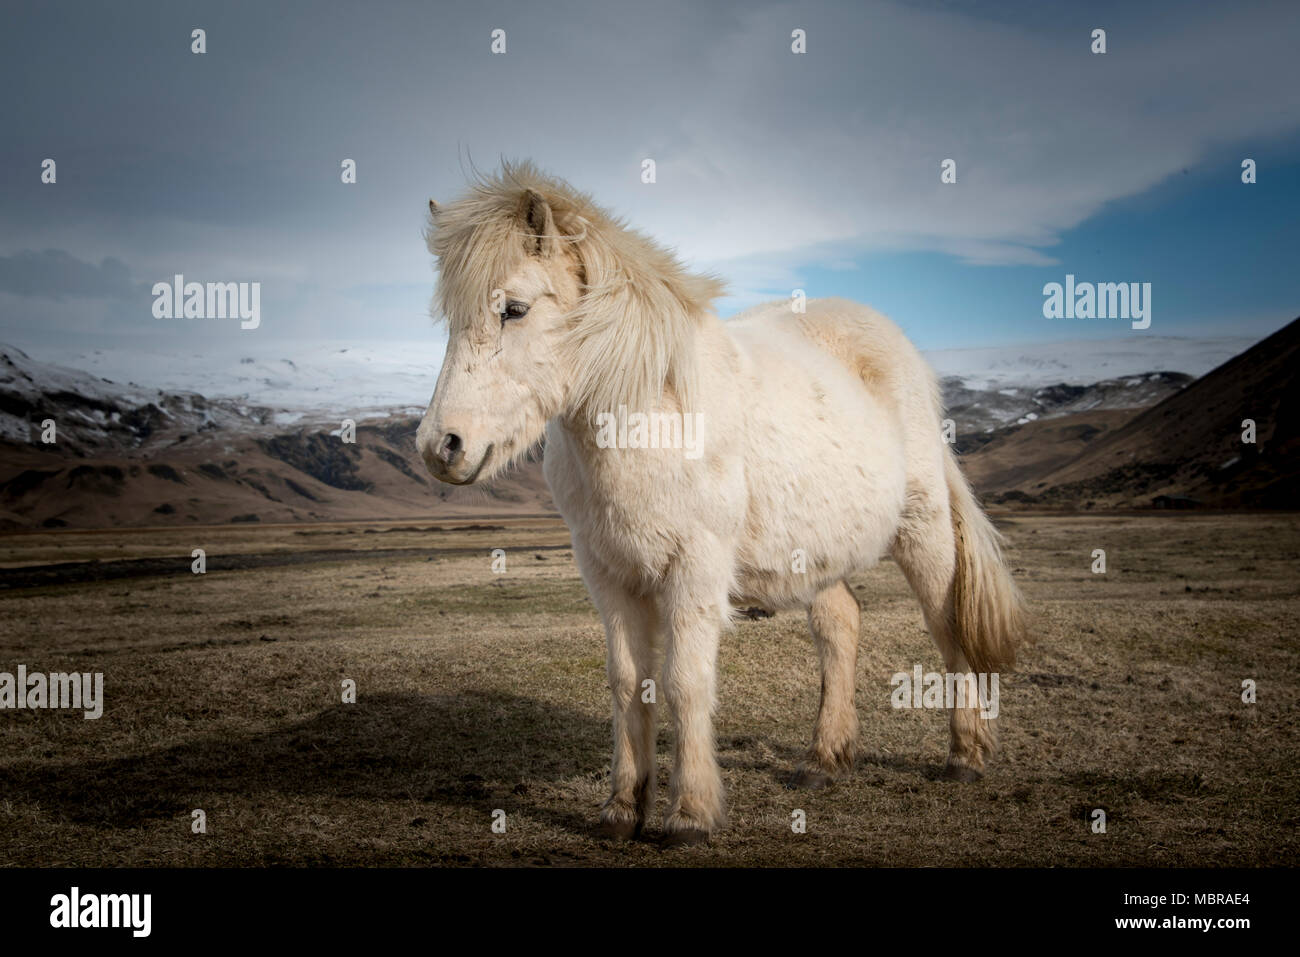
point(919, 907)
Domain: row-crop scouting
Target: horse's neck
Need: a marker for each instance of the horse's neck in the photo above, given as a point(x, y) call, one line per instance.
point(719, 367)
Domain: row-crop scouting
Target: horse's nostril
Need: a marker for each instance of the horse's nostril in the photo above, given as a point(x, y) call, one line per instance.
point(451, 445)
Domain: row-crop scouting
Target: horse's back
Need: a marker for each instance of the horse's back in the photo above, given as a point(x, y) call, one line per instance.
point(878, 356)
point(867, 342)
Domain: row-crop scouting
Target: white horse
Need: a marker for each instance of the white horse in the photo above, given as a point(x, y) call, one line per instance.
point(818, 450)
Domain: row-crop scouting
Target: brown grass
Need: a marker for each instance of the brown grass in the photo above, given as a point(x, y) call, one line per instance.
point(479, 691)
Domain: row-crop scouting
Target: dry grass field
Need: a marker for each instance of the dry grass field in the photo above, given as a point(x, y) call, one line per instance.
point(479, 691)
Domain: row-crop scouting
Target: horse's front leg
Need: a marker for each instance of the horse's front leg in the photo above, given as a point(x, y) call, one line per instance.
point(630, 632)
point(696, 609)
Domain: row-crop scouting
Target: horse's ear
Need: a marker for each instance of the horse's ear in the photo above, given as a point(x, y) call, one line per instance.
point(433, 208)
point(536, 214)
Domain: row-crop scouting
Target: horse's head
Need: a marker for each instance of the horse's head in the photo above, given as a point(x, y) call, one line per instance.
point(552, 307)
point(508, 281)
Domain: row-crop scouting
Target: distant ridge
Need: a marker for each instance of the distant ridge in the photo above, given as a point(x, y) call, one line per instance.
point(1187, 450)
point(131, 455)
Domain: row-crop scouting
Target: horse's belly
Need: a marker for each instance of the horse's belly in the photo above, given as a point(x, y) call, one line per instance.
point(829, 506)
point(793, 550)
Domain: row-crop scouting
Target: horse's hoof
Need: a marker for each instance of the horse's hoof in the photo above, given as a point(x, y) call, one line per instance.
point(811, 779)
point(623, 830)
point(961, 772)
point(685, 838)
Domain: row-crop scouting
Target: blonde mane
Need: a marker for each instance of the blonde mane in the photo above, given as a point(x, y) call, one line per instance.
point(630, 337)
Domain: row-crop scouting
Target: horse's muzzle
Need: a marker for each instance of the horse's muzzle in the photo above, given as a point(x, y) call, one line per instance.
point(446, 461)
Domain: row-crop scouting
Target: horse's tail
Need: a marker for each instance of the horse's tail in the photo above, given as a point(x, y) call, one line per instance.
point(988, 610)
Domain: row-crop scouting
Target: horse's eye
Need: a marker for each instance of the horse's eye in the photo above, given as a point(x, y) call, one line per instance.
point(514, 310)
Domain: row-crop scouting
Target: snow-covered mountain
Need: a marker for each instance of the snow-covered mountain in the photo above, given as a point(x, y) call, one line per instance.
point(129, 454)
point(987, 388)
point(983, 410)
point(1083, 362)
point(983, 387)
point(195, 438)
point(322, 377)
point(91, 412)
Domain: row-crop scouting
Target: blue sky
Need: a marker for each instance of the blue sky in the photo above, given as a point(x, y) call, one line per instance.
point(774, 170)
point(1221, 257)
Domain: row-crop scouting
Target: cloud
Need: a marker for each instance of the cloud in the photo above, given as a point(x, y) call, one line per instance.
point(779, 152)
point(769, 163)
point(57, 274)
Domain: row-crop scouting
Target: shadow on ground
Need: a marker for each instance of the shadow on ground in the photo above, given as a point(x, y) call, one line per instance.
point(467, 749)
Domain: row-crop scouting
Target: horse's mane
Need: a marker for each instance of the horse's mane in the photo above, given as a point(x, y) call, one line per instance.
point(630, 337)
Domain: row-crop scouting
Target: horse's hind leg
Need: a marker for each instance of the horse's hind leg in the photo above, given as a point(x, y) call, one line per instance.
point(926, 551)
point(833, 619)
